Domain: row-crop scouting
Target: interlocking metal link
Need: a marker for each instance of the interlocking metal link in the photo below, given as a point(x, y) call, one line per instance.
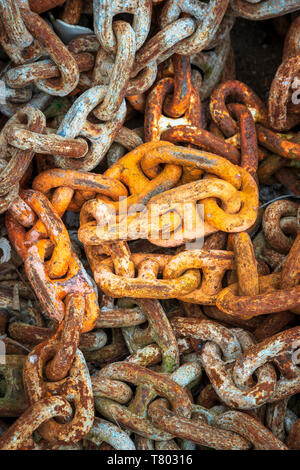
point(16, 161)
point(118, 79)
point(39, 6)
point(76, 387)
point(263, 10)
point(208, 18)
point(12, 20)
point(100, 135)
point(62, 264)
point(280, 92)
point(105, 10)
point(57, 51)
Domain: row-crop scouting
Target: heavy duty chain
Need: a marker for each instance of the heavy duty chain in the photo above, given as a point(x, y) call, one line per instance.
point(149, 300)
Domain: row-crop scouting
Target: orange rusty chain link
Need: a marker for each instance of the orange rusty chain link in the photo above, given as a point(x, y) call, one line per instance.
point(215, 216)
point(127, 323)
point(33, 251)
point(281, 117)
point(48, 41)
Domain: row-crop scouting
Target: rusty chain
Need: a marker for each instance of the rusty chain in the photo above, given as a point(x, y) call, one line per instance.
point(148, 299)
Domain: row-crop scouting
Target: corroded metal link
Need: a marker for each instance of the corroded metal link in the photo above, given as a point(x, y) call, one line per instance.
point(117, 316)
point(213, 264)
point(63, 261)
point(145, 286)
point(139, 425)
point(155, 122)
point(100, 135)
point(155, 223)
point(105, 10)
point(118, 251)
point(206, 330)
point(113, 389)
point(120, 255)
point(126, 139)
point(14, 403)
point(114, 351)
point(211, 163)
point(232, 392)
point(176, 105)
point(136, 85)
point(238, 92)
point(50, 144)
point(39, 6)
point(76, 387)
point(31, 420)
point(272, 229)
point(168, 349)
point(278, 349)
point(162, 384)
point(248, 137)
point(163, 43)
point(66, 338)
point(195, 431)
point(264, 10)
point(223, 30)
point(203, 139)
point(14, 98)
point(58, 264)
point(179, 272)
point(104, 431)
point(208, 18)
point(15, 28)
point(222, 168)
point(95, 183)
point(273, 324)
point(215, 216)
point(281, 117)
point(33, 335)
point(291, 268)
point(213, 313)
point(51, 292)
point(22, 213)
point(24, 75)
point(162, 333)
point(271, 298)
point(250, 428)
point(142, 81)
point(275, 418)
point(72, 11)
point(277, 143)
point(245, 262)
point(118, 79)
point(58, 53)
point(142, 188)
point(84, 43)
point(139, 375)
point(15, 53)
point(18, 160)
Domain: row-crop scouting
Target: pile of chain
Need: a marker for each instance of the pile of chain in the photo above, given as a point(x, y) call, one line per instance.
point(148, 299)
